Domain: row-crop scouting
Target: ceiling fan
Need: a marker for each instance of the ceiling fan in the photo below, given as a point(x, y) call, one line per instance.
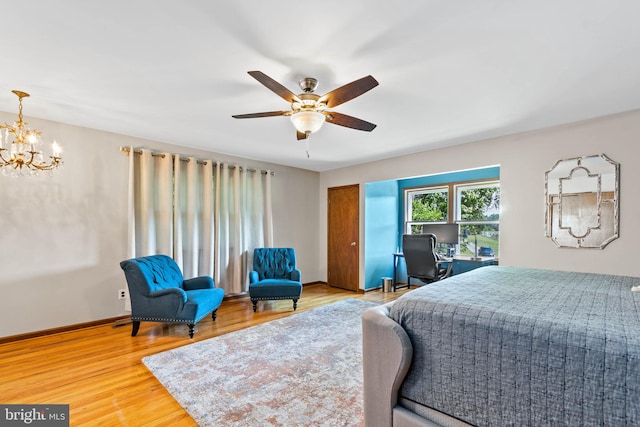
point(309, 110)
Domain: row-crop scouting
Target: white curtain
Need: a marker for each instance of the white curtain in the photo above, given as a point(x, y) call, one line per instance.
point(207, 216)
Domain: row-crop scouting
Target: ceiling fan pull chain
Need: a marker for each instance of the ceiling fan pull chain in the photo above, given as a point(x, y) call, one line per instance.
point(306, 143)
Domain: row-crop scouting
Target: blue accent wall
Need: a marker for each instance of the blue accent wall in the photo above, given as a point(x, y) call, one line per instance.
point(380, 229)
point(383, 221)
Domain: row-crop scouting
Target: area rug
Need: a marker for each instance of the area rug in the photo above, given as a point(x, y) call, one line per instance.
point(301, 370)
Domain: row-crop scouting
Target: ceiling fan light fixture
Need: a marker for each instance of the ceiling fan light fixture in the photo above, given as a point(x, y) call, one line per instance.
point(309, 110)
point(307, 121)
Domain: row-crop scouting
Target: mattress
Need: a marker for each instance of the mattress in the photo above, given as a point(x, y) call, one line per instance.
point(505, 346)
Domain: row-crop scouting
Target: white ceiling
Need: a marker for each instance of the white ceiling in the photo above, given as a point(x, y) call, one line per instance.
point(449, 71)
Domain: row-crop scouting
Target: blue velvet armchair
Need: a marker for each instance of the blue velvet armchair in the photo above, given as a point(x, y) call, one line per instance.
point(159, 293)
point(274, 276)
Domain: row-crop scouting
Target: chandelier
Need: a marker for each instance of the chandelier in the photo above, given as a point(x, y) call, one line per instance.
point(20, 151)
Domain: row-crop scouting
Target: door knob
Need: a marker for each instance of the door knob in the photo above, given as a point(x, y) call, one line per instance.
point(353, 243)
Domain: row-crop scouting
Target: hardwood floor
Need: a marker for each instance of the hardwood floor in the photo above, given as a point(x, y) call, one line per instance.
point(99, 373)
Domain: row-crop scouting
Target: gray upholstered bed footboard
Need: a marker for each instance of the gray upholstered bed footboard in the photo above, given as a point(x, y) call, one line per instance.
point(386, 353)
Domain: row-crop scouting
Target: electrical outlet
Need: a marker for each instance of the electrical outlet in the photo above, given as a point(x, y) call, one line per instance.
point(122, 293)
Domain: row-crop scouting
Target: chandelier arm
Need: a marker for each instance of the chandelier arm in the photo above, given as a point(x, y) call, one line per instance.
point(30, 162)
point(3, 161)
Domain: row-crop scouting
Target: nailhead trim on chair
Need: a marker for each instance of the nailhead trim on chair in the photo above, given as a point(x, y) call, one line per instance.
point(165, 320)
point(273, 298)
point(254, 301)
point(158, 319)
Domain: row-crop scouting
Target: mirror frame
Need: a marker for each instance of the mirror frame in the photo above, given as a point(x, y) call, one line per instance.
point(582, 214)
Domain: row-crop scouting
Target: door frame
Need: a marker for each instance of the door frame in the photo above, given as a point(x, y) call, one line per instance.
point(356, 271)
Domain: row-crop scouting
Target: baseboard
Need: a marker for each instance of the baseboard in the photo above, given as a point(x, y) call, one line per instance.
point(359, 291)
point(314, 283)
point(116, 321)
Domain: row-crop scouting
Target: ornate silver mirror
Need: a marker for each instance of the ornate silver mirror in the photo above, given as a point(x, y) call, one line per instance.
point(582, 202)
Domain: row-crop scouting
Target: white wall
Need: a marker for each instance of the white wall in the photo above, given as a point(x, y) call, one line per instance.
point(523, 160)
point(62, 236)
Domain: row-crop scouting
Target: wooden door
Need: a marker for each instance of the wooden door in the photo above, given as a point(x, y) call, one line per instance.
point(343, 229)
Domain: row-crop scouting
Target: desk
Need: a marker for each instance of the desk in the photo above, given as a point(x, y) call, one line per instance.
point(461, 264)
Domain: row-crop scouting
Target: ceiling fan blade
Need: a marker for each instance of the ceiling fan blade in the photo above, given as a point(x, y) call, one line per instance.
point(301, 135)
point(349, 91)
point(348, 121)
point(266, 114)
point(274, 86)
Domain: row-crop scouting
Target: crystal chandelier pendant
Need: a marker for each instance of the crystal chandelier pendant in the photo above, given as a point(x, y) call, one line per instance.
point(20, 147)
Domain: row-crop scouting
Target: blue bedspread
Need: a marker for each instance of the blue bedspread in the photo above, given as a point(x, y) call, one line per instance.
point(504, 346)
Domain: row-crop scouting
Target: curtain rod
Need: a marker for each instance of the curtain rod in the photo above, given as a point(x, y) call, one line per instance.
point(198, 161)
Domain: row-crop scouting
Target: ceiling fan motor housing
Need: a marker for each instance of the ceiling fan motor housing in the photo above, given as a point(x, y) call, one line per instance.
point(308, 84)
point(308, 101)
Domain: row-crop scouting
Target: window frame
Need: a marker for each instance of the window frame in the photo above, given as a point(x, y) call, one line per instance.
point(453, 203)
point(470, 185)
point(409, 191)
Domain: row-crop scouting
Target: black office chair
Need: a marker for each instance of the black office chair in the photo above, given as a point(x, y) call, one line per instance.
point(422, 261)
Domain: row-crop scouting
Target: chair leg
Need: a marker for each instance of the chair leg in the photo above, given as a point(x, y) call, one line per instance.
point(295, 304)
point(214, 314)
point(136, 326)
point(255, 304)
point(191, 326)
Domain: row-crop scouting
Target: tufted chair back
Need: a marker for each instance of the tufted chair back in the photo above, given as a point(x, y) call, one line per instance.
point(274, 263)
point(153, 273)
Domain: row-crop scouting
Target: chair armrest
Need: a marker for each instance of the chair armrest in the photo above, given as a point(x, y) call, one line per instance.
point(445, 265)
point(253, 277)
point(202, 282)
point(295, 275)
point(170, 292)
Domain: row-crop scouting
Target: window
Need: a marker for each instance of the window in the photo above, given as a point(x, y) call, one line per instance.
point(478, 213)
point(473, 205)
point(426, 205)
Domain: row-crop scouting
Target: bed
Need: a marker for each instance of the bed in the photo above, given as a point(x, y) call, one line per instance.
point(506, 346)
